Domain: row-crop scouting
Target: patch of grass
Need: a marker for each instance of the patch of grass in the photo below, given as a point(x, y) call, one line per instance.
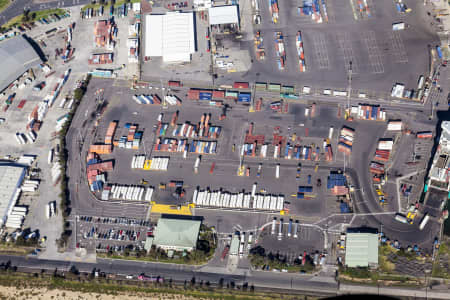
point(118, 288)
point(32, 17)
point(4, 4)
point(442, 256)
point(107, 4)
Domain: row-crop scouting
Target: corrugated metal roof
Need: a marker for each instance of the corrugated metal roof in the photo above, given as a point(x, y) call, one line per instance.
point(10, 179)
point(170, 36)
point(177, 233)
point(227, 14)
point(361, 249)
point(17, 56)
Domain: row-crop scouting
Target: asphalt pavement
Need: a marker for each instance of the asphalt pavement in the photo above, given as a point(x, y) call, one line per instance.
point(18, 6)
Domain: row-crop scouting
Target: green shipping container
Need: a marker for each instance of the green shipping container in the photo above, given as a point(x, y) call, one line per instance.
point(231, 94)
point(287, 89)
point(274, 87)
point(261, 86)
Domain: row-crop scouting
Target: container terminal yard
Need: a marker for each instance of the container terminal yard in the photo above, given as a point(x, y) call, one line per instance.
point(296, 128)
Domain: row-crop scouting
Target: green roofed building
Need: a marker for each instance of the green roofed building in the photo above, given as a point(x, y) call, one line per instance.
point(361, 248)
point(177, 233)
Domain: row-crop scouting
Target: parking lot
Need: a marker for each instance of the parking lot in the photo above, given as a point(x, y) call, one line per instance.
point(379, 55)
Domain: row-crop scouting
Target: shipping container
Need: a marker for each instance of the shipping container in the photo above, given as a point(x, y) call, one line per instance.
point(241, 85)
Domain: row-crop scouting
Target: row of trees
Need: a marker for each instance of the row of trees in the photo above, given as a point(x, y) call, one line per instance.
point(63, 156)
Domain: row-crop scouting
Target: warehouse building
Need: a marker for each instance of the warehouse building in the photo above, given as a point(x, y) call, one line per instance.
point(177, 233)
point(170, 36)
point(223, 15)
point(11, 177)
point(362, 247)
point(18, 55)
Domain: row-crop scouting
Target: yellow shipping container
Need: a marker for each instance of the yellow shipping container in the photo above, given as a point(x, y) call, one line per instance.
point(147, 164)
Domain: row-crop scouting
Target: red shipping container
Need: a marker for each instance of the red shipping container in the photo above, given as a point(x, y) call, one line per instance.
point(193, 94)
point(218, 94)
point(21, 103)
point(241, 85)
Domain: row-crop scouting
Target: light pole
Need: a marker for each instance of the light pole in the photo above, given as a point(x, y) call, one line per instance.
point(427, 271)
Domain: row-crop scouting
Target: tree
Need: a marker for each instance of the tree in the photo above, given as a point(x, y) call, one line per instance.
point(26, 15)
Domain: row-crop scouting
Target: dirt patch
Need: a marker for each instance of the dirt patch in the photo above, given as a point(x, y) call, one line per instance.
point(46, 294)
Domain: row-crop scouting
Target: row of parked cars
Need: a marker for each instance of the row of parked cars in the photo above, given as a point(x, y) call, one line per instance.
point(113, 234)
point(119, 221)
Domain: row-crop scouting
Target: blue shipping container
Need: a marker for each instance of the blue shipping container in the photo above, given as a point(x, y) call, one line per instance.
point(244, 97)
point(439, 51)
point(344, 208)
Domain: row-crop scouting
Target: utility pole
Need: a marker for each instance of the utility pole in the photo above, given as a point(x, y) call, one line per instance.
point(349, 87)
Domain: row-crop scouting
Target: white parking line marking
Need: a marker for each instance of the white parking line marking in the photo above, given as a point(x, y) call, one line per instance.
point(321, 51)
point(375, 59)
point(345, 45)
point(398, 48)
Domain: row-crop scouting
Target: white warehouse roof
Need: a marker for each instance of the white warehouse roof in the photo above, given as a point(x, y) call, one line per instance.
point(223, 15)
point(11, 177)
point(171, 36)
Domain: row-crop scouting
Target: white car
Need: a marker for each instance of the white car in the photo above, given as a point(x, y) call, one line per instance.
point(129, 277)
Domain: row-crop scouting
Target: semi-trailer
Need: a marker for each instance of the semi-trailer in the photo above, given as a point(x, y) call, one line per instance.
point(296, 229)
point(280, 229)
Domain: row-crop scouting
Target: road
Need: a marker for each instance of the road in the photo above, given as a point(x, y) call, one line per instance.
point(309, 284)
point(180, 273)
point(18, 6)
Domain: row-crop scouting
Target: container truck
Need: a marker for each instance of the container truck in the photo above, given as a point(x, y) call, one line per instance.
point(296, 229)
point(289, 228)
point(50, 156)
point(280, 230)
point(401, 218)
point(424, 221)
point(274, 222)
point(277, 171)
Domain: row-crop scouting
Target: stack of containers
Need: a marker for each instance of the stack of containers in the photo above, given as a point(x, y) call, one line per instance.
point(300, 52)
point(337, 182)
point(30, 185)
point(16, 217)
point(384, 149)
point(26, 159)
point(371, 112)
point(346, 140)
point(241, 200)
point(273, 6)
point(138, 162)
point(279, 47)
point(259, 46)
point(328, 153)
point(376, 168)
point(137, 140)
point(159, 163)
point(110, 132)
point(101, 149)
point(131, 193)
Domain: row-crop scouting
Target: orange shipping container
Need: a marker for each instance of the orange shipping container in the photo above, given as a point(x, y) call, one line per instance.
point(101, 149)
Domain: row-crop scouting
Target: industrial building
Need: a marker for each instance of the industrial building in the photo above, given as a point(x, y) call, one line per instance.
point(438, 176)
point(11, 177)
point(222, 15)
point(170, 36)
point(361, 247)
point(177, 233)
point(18, 56)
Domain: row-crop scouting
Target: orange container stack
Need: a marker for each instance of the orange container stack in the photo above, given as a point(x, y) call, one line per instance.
point(101, 149)
point(110, 132)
